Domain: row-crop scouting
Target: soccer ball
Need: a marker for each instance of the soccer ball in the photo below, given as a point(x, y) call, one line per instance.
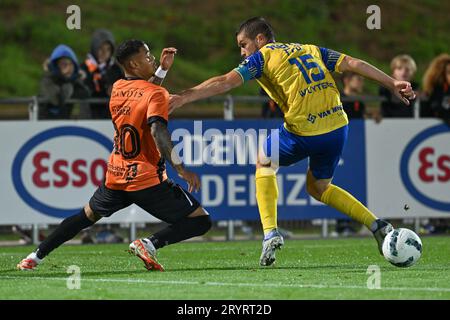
point(402, 247)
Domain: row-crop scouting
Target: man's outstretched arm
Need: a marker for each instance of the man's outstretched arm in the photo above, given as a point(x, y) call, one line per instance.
point(402, 89)
point(208, 88)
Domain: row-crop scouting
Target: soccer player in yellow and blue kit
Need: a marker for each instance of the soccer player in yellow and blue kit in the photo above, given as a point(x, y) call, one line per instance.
point(298, 78)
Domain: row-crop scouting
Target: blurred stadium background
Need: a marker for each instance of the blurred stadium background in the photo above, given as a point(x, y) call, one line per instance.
point(203, 32)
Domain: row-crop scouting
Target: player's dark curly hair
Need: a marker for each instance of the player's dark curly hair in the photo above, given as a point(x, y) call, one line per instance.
point(254, 26)
point(127, 48)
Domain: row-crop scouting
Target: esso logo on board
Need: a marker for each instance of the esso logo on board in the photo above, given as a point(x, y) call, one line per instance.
point(425, 167)
point(56, 171)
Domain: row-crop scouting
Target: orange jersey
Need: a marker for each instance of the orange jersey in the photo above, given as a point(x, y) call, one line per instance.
point(135, 162)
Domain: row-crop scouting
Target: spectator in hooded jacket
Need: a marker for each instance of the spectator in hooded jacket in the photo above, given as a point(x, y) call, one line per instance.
point(102, 71)
point(436, 83)
point(62, 80)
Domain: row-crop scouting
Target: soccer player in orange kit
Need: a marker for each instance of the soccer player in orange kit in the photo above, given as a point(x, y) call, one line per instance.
point(136, 168)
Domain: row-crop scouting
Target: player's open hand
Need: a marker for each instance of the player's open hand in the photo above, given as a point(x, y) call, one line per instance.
point(404, 91)
point(167, 57)
point(175, 101)
point(192, 179)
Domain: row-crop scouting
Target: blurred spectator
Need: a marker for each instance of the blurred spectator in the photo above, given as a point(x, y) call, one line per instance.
point(26, 236)
point(106, 234)
point(62, 80)
point(403, 67)
point(86, 237)
point(270, 109)
point(345, 227)
point(353, 86)
point(102, 71)
point(436, 82)
point(436, 226)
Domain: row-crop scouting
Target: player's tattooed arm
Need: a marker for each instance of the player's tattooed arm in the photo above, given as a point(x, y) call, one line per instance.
point(402, 89)
point(165, 146)
point(164, 143)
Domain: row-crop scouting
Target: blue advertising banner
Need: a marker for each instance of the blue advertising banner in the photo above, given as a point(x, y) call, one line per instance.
point(227, 170)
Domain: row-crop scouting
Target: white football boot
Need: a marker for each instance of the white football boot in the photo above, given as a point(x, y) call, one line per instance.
point(144, 249)
point(272, 241)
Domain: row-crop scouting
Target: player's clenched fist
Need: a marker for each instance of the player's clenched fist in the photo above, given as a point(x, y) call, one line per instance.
point(167, 57)
point(404, 91)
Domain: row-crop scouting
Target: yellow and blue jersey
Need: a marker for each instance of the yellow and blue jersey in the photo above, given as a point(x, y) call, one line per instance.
point(298, 78)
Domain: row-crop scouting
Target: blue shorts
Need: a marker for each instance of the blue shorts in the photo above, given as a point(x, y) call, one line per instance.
point(324, 151)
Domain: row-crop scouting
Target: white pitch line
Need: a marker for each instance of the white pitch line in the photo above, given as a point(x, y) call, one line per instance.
point(236, 284)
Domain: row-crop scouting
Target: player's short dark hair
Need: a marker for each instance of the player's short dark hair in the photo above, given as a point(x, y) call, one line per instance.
point(128, 48)
point(254, 26)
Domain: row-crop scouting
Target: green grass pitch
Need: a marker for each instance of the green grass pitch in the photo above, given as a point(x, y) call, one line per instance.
point(305, 269)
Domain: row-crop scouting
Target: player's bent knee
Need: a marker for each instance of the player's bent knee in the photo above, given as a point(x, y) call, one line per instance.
point(90, 214)
point(206, 224)
point(312, 191)
point(316, 187)
point(315, 190)
point(202, 224)
point(198, 212)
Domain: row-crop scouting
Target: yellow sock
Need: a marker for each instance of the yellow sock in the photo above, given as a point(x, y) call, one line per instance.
point(344, 202)
point(267, 197)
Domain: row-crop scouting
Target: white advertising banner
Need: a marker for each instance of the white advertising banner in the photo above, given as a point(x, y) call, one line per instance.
point(408, 163)
point(52, 168)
